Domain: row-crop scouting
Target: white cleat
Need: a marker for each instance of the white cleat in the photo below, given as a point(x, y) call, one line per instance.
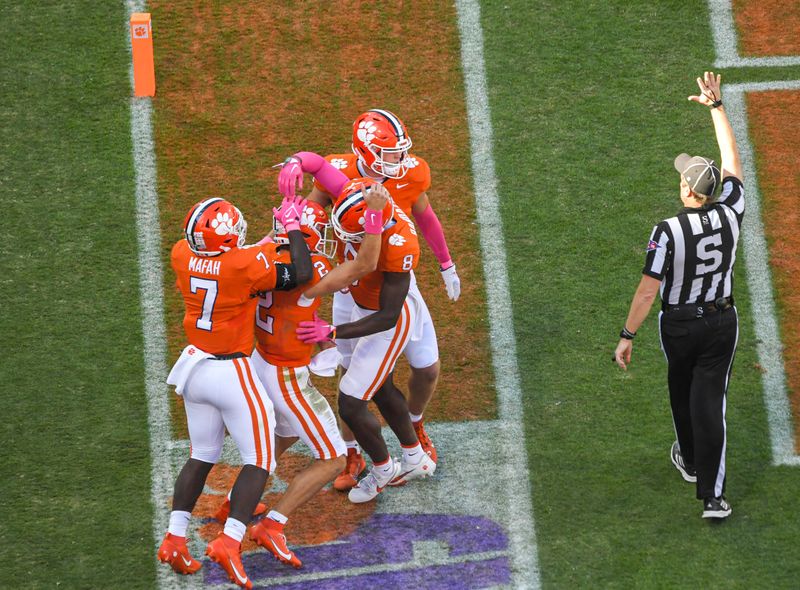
point(369, 487)
point(411, 471)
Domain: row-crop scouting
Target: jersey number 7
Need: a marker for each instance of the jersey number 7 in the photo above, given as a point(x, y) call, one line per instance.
point(209, 297)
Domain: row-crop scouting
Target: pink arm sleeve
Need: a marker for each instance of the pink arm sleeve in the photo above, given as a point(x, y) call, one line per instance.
point(432, 231)
point(328, 175)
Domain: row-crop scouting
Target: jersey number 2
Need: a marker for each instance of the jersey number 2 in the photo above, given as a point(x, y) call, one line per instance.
point(210, 287)
point(265, 322)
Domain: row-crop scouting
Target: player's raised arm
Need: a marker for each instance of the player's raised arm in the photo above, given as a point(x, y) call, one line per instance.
point(291, 175)
point(376, 198)
point(711, 96)
point(289, 215)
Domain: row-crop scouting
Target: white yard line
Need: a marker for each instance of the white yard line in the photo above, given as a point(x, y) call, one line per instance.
point(151, 282)
point(378, 569)
point(725, 41)
point(518, 509)
point(759, 278)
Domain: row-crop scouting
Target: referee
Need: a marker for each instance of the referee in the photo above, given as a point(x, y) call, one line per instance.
point(690, 261)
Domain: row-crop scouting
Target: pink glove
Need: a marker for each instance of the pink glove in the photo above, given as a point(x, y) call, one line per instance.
point(315, 331)
point(290, 212)
point(291, 175)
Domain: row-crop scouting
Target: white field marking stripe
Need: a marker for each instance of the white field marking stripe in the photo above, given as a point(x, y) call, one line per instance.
point(763, 86)
point(151, 297)
point(517, 511)
point(382, 568)
point(723, 28)
point(768, 343)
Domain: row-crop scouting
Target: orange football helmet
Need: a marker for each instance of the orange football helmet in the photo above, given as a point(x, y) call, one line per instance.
point(214, 226)
point(314, 224)
point(347, 214)
point(381, 142)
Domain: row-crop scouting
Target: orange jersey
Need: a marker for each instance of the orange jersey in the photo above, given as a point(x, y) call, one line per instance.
point(399, 253)
point(279, 313)
point(405, 191)
point(219, 293)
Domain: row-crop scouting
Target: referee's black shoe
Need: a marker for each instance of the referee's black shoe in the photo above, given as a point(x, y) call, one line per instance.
point(716, 508)
point(687, 472)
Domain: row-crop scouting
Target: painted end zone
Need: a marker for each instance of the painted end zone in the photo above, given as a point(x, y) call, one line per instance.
point(768, 27)
point(756, 258)
point(450, 531)
point(775, 127)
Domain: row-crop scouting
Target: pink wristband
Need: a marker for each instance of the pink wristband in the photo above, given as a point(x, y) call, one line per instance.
point(291, 226)
point(373, 221)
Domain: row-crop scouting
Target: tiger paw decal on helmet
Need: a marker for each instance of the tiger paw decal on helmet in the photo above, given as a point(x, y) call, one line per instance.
point(381, 142)
point(366, 131)
point(214, 226)
point(222, 224)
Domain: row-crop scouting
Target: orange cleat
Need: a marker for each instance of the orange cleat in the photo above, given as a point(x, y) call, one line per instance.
point(174, 551)
point(354, 467)
point(274, 541)
point(222, 514)
point(227, 552)
point(425, 440)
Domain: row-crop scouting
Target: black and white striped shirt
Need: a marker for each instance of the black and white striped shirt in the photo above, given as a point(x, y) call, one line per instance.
point(693, 253)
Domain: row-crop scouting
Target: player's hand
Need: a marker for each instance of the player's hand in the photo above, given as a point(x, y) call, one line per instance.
point(291, 176)
point(376, 197)
point(290, 212)
point(315, 330)
point(622, 356)
point(710, 90)
point(451, 281)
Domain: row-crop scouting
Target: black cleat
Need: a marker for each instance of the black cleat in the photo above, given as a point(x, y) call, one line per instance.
point(687, 473)
point(716, 508)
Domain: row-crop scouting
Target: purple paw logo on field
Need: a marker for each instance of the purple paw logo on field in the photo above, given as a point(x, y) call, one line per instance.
point(434, 551)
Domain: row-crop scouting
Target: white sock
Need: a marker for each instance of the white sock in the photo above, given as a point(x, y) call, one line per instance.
point(415, 417)
point(413, 454)
point(179, 522)
point(385, 470)
point(277, 516)
point(235, 529)
point(351, 444)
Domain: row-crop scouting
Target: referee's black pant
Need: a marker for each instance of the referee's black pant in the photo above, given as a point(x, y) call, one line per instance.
point(700, 355)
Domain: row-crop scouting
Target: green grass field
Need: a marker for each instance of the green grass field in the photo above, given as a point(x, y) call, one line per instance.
point(589, 108)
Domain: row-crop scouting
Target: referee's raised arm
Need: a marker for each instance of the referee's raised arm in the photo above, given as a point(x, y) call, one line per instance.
point(711, 96)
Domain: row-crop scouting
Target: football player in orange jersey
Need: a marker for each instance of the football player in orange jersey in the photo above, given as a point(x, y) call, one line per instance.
point(385, 318)
point(282, 362)
point(219, 278)
point(380, 150)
